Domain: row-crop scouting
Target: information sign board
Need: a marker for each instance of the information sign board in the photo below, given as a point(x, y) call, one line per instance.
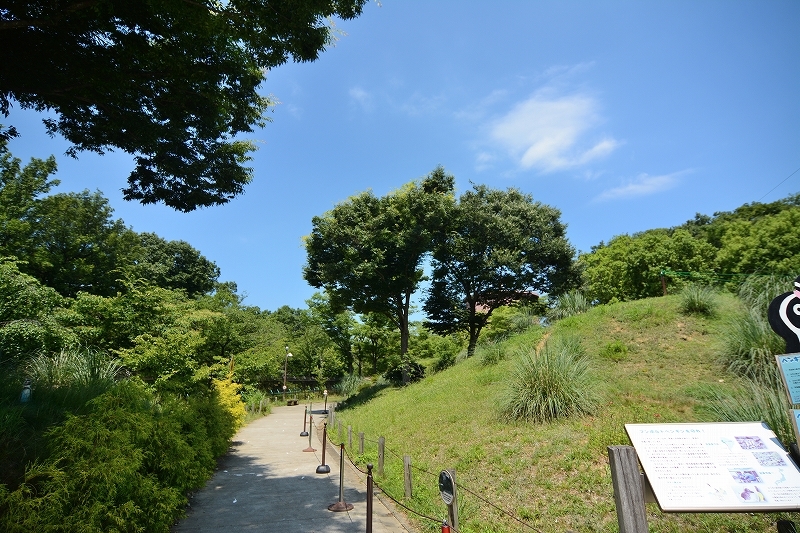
point(789, 365)
point(716, 467)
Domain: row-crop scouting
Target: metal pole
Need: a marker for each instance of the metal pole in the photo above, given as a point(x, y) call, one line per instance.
point(304, 433)
point(381, 445)
point(369, 498)
point(310, 430)
point(323, 468)
point(341, 505)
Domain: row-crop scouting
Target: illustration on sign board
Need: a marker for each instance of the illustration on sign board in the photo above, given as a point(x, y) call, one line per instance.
point(784, 317)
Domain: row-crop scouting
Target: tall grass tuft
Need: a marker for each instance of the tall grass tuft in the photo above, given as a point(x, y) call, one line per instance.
point(749, 347)
point(71, 377)
point(758, 291)
point(753, 402)
point(349, 385)
point(569, 304)
point(256, 401)
point(554, 383)
point(491, 353)
point(698, 300)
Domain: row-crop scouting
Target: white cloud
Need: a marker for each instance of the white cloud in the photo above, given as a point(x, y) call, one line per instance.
point(549, 132)
point(643, 185)
point(362, 98)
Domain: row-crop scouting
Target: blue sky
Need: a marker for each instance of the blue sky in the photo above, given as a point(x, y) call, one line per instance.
point(626, 116)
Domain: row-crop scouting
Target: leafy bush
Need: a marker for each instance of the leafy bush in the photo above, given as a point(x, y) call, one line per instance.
point(228, 397)
point(490, 353)
point(752, 403)
point(698, 300)
point(615, 350)
point(553, 384)
point(256, 400)
point(569, 304)
point(445, 361)
point(349, 385)
point(414, 371)
point(125, 464)
point(749, 347)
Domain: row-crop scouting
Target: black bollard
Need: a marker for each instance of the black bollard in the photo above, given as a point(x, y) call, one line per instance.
point(369, 498)
point(341, 505)
point(304, 433)
point(786, 526)
point(323, 468)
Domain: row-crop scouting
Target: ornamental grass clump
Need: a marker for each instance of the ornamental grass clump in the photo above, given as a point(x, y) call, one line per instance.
point(698, 300)
point(749, 347)
point(554, 383)
point(569, 304)
point(752, 402)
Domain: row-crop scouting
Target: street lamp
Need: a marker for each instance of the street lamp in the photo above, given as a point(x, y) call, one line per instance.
point(285, 362)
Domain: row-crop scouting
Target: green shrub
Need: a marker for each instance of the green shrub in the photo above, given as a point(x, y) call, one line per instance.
point(256, 401)
point(553, 384)
point(749, 347)
point(753, 402)
point(569, 304)
point(124, 464)
point(349, 385)
point(698, 300)
point(445, 361)
point(491, 353)
point(615, 350)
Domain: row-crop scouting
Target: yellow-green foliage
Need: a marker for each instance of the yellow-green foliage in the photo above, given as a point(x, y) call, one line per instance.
point(229, 399)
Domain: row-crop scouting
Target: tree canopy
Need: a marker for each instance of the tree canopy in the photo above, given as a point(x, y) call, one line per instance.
point(723, 249)
point(171, 82)
point(499, 247)
point(367, 252)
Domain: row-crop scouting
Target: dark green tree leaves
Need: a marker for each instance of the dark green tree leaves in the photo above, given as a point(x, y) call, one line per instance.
point(171, 82)
point(367, 252)
point(500, 247)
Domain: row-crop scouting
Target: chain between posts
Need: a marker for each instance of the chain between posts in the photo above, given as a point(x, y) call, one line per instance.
point(460, 486)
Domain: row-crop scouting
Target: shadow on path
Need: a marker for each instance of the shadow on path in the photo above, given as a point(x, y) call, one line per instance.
point(268, 483)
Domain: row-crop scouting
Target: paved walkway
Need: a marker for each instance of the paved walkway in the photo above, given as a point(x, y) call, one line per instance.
point(268, 483)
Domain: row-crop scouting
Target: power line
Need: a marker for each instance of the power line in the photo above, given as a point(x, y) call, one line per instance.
point(778, 185)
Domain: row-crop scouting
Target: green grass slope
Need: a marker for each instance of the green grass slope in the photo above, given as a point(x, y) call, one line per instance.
point(651, 363)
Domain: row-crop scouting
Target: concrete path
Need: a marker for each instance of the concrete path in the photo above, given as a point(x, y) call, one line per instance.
point(268, 483)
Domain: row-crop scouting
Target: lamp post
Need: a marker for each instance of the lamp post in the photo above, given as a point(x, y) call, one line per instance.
point(285, 363)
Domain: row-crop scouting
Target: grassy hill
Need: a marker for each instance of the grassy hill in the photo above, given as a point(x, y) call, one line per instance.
point(651, 364)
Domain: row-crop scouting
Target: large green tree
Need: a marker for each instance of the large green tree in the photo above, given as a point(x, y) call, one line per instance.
point(21, 189)
point(176, 265)
point(500, 247)
point(368, 252)
point(629, 267)
point(78, 246)
point(172, 82)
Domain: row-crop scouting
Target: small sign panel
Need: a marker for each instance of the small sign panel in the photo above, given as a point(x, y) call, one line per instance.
point(789, 366)
point(795, 414)
point(716, 467)
point(446, 487)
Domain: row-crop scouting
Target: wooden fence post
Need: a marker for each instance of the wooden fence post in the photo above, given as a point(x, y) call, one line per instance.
point(628, 489)
point(381, 446)
point(407, 475)
point(361, 443)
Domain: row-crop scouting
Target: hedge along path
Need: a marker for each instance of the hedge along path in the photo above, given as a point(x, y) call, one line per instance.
point(267, 483)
